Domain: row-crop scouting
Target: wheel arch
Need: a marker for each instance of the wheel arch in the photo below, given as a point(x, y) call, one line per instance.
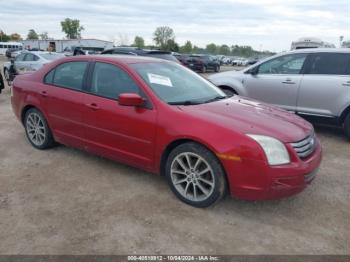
point(344, 114)
point(227, 87)
point(25, 110)
point(166, 152)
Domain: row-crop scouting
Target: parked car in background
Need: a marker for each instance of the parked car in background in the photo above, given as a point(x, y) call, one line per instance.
point(314, 83)
point(2, 83)
point(141, 52)
point(30, 61)
point(161, 117)
point(203, 63)
point(182, 58)
point(13, 52)
point(252, 61)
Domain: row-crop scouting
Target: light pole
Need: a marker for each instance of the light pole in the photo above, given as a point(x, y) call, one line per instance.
point(341, 38)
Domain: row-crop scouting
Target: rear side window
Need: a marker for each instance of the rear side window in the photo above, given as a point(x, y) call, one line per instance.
point(110, 81)
point(49, 77)
point(70, 75)
point(329, 64)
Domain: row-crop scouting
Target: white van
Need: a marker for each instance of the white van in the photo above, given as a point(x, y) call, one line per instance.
point(310, 42)
point(6, 45)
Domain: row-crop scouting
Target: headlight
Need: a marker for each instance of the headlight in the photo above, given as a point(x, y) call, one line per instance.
point(274, 149)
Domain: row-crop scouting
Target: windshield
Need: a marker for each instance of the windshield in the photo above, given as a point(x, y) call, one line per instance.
point(176, 84)
point(52, 56)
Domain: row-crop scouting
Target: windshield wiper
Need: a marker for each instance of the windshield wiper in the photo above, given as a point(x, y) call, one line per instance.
point(215, 99)
point(185, 103)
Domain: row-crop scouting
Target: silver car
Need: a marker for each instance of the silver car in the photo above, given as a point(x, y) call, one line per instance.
point(30, 61)
point(314, 83)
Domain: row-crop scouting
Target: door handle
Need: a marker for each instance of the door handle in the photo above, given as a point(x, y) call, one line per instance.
point(43, 93)
point(346, 83)
point(93, 106)
point(288, 81)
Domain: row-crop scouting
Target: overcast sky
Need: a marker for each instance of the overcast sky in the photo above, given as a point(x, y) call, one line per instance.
point(263, 24)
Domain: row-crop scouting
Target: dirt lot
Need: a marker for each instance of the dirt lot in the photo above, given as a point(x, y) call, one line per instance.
point(65, 201)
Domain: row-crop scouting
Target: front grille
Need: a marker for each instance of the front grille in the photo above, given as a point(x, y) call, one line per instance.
point(305, 147)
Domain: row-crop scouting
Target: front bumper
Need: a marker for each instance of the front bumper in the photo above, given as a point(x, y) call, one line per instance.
point(255, 180)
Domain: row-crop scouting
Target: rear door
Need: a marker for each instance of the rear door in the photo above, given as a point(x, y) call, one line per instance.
point(123, 133)
point(63, 93)
point(324, 85)
point(277, 81)
point(28, 62)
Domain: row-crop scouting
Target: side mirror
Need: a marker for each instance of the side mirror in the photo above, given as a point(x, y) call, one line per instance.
point(253, 71)
point(130, 99)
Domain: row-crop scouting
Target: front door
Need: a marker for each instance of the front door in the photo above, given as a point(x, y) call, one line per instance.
point(122, 133)
point(277, 81)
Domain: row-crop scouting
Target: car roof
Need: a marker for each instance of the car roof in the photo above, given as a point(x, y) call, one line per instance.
point(320, 50)
point(122, 59)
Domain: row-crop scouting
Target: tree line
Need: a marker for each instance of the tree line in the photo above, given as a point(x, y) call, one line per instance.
point(163, 37)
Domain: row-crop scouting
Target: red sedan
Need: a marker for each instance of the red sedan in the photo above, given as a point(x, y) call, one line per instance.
point(161, 117)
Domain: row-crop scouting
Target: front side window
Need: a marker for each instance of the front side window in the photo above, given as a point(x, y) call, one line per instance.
point(20, 57)
point(288, 64)
point(329, 64)
point(70, 75)
point(31, 57)
point(176, 84)
point(110, 81)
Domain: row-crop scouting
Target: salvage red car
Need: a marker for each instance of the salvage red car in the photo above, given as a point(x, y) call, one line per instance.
point(163, 118)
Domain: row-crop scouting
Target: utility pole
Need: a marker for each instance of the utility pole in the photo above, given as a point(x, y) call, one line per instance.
point(341, 38)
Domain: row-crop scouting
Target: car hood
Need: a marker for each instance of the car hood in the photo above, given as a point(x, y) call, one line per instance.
point(252, 117)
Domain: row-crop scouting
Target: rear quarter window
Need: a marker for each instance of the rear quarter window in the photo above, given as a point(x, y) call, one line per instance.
point(329, 64)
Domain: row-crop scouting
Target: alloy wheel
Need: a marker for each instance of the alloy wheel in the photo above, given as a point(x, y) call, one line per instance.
point(36, 129)
point(192, 176)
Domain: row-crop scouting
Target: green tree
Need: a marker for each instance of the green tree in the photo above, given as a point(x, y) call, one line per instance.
point(4, 37)
point(171, 45)
point(44, 36)
point(15, 37)
point(211, 49)
point(139, 42)
point(72, 28)
point(224, 50)
point(186, 48)
point(162, 35)
point(32, 35)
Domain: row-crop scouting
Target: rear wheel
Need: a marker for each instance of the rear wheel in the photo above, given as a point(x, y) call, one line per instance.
point(195, 175)
point(347, 126)
point(37, 129)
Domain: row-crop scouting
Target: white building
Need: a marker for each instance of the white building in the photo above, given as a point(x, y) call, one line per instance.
point(61, 45)
point(310, 42)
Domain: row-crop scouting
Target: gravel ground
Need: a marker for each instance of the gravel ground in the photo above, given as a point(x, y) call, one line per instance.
point(65, 201)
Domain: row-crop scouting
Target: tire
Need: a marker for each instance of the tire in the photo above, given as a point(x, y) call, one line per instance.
point(228, 91)
point(217, 69)
point(7, 77)
point(204, 69)
point(37, 130)
point(192, 184)
point(347, 126)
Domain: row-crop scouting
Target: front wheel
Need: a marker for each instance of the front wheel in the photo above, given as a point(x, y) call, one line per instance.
point(7, 77)
point(195, 175)
point(347, 126)
point(37, 129)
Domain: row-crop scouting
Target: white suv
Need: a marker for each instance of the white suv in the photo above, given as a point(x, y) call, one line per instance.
point(314, 83)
